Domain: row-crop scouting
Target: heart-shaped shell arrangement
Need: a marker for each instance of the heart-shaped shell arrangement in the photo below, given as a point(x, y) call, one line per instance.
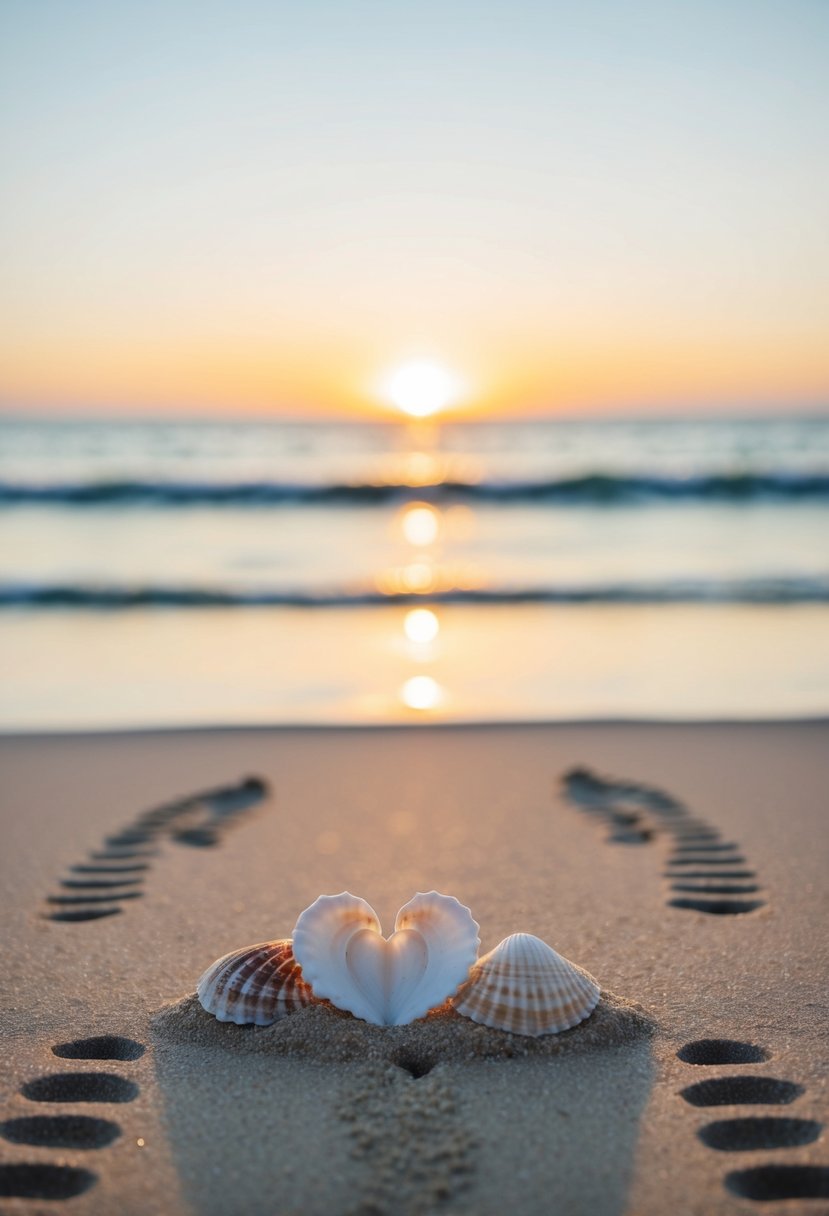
point(387, 981)
point(338, 953)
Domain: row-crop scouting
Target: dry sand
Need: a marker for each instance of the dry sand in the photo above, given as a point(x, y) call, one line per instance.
point(324, 1114)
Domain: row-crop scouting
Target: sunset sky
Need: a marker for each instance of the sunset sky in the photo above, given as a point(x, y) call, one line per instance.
point(266, 207)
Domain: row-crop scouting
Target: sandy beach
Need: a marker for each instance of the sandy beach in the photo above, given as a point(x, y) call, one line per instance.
point(414, 600)
point(172, 1112)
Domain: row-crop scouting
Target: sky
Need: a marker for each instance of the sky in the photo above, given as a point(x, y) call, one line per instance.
point(263, 207)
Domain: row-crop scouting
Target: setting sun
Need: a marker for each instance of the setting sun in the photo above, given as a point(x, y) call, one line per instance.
point(422, 388)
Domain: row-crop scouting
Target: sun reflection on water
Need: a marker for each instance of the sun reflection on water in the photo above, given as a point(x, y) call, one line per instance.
point(421, 626)
point(421, 692)
point(429, 578)
point(420, 523)
point(425, 566)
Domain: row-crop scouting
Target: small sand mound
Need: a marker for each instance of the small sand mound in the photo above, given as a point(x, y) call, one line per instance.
point(328, 1035)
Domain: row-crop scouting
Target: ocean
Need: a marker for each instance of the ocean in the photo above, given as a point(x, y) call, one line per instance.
point(161, 573)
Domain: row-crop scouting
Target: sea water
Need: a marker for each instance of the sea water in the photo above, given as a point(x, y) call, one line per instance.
point(160, 573)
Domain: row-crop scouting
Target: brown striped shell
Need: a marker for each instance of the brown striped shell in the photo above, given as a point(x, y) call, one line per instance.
point(525, 987)
point(257, 984)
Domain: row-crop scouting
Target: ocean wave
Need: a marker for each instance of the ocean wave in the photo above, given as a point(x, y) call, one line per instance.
point(608, 489)
point(806, 589)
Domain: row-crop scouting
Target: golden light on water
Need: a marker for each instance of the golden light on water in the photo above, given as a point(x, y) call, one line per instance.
point(421, 626)
point(422, 388)
point(420, 523)
point(418, 578)
point(430, 578)
point(421, 692)
point(422, 469)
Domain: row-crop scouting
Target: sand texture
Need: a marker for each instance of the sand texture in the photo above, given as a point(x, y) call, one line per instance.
point(131, 862)
point(331, 1036)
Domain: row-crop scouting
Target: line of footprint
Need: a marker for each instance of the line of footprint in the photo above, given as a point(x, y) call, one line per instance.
point(97, 888)
point(745, 1133)
point(44, 1180)
point(113, 874)
point(703, 866)
point(705, 873)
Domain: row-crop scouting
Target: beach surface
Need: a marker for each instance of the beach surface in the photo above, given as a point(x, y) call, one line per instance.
point(681, 865)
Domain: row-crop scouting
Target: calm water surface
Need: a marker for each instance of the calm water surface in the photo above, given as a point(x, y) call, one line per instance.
point(207, 573)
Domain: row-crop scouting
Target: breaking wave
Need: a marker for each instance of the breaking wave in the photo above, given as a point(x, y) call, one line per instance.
point(601, 489)
point(769, 590)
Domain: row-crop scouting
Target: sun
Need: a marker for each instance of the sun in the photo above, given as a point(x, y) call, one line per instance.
point(422, 388)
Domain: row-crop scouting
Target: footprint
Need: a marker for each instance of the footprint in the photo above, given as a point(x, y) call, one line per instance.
point(129, 838)
point(742, 1091)
point(627, 825)
point(133, 868)
point(715, 874)
point(717, 907)
point(92, 899)
point(99, 884)
point(713, 846)
point(123, 854)
point(691, 832)
point(25, 1180)
point(753, 1133)
point(587, 788)
point(80, 1087)
point(40, 1181)
point(61, 1131)
point(631, 836)
point(101, 1047)
point(699, 852)
point(758, 1132)
point(678, 862)
point(697, 842)
point(775, 1182)
point(202, 837)
point(716, 888)
point(716, 866)
point(722, 1051)
point(200, 820)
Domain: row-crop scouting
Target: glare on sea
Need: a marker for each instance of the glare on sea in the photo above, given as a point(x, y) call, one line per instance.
point(421, 625)
point(420, 524)
point(421, 692)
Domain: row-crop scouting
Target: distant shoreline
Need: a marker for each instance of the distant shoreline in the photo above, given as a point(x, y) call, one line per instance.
point(518, 725)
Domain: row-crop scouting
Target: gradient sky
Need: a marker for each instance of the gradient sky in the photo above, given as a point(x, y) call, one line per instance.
point(263, 206)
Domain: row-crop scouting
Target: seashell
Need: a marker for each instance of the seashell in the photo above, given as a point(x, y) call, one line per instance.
point(525, 987)
point(388, 982)
point(258, 984)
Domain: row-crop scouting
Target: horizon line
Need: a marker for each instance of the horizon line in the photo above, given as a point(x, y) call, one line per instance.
point(747, 412)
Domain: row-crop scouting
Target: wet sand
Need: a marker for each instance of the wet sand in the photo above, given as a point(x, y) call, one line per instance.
point(173, 1112)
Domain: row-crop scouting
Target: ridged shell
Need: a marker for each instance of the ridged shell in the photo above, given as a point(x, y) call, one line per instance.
point(387, 982)
point(257, 984)
point(525, 987)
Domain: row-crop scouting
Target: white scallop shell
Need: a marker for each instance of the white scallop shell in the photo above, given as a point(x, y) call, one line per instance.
point(525, 987)
point(257, 984)
point(388, 982)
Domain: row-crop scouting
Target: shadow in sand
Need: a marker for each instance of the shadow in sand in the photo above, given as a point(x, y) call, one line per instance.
point(389, 1128)
point(573, 1131)
point(256, 1134)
